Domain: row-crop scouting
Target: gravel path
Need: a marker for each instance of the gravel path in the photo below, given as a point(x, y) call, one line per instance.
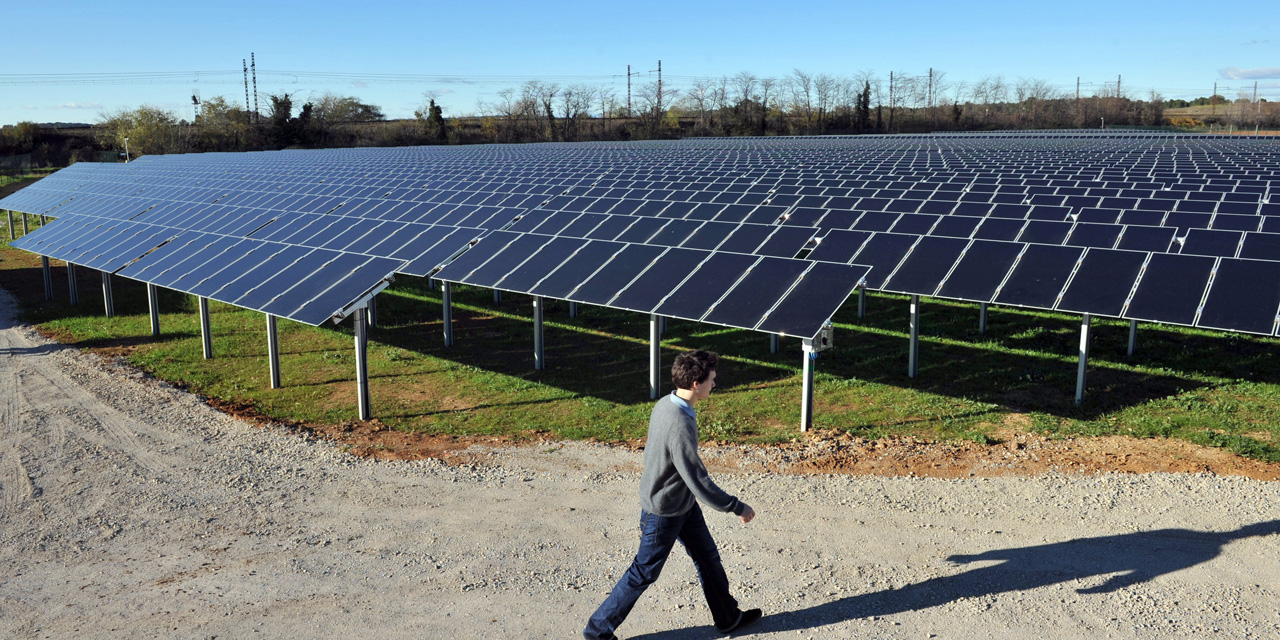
point(129, 509)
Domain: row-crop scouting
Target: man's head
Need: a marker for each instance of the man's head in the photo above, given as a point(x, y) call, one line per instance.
point(695, 370)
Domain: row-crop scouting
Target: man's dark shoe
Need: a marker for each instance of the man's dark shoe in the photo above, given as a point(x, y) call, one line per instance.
point(749, 616)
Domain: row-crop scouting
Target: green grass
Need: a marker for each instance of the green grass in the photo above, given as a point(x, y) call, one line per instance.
point(1204, 387)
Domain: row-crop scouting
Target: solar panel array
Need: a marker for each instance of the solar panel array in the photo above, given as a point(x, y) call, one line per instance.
point(769, 234)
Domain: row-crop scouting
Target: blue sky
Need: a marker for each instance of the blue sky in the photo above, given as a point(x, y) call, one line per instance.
point(471, 50)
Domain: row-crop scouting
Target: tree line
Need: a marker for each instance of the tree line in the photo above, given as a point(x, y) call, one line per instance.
point(744, 104)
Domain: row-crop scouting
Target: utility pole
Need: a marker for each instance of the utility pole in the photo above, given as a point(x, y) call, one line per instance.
point(246, 82)
point(1117, 86)
point(890, 102)
point(1213, 108)
point(253, 64)
point(628, 91)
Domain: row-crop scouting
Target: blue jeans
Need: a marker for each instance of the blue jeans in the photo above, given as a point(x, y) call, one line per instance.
point(657, 536)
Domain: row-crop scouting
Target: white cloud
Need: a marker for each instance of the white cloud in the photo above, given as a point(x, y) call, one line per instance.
point(78, 105)
point(360, 84)
point(1261, 73)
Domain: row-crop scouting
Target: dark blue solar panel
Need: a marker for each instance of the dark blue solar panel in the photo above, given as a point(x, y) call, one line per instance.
point(1039, 276)
point(705, 285)
point(1170, 288)
point(979, 272)
point(650, 287)
point(1103, 282)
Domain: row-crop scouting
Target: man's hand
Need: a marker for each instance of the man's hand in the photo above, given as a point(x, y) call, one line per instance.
point(747, 515)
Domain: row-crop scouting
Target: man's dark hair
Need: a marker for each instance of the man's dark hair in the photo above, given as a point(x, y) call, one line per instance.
point(693, 366)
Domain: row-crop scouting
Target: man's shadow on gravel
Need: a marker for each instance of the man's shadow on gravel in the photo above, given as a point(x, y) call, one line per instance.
point(1133, 558)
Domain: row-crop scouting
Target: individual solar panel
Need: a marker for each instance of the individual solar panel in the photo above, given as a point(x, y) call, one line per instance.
point(1086, 234)
point(839, 245)
point(207, 282)
point(926, 266)
point(290, 274)
point(999, 229)
point(204, 260)
point(1170, 288)
point(357, 282)
point(616, 274)
point(786, 242)
point(1137, 238)
point(454, 241)
point(1045, 232)
point(459, 268)
point(576, 268)
point(746, 304)
point(709, 235)
point(746, 238)
point(1103, 282)
point(814, 299)
point(882, 252)
point(543, 262)
point(956, 226)
point(980, 270)
point(876, 221)
point(1039, 276)
point(505, 261)
point(650, 287)
point(1206, 242)
point(1261, 246)
point(708, 282)
point(611, 228)
point(1244, 296)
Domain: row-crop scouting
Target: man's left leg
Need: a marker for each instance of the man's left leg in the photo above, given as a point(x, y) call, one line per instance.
point(701, 547)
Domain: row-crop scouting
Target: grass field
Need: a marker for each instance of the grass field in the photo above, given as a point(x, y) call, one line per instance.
point(1210, 388)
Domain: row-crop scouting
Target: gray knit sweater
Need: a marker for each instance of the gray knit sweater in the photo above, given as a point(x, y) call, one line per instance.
point(673, 473)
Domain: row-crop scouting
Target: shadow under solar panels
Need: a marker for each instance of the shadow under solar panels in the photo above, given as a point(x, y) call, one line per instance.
point(705, 285)
point(650, 287)
point(616, 274)
point(1103, 282)
point(1039, 276)
point(1244, 296)
point(1170, 288)
point(926, 266)
point(746, 304)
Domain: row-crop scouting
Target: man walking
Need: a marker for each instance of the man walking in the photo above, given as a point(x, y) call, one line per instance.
point(673, 482)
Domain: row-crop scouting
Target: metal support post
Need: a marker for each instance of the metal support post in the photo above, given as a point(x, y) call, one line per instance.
point(1133, 337)
point(573, 309)
point(446, 301)
point(982, 318)
point(48, 277)
point(108, 301)
point(206, 335)
point(655, 356)
point(662, 325)
point(71, 284)
point(362, 363)
point(497, 296)
point(1084, 358)
point(913, 351)
point(539, 358)
point(153, 303)
point(25, 230)
point(773, 343)
point(862, 303)
point(273, 351)
point(373, 311)
point(806, 393)
point(13, 234)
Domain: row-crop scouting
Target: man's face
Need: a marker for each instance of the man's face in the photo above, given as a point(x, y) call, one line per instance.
point(703, 389)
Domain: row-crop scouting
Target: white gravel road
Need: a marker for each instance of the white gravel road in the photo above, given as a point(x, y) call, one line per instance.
point(129, 509)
